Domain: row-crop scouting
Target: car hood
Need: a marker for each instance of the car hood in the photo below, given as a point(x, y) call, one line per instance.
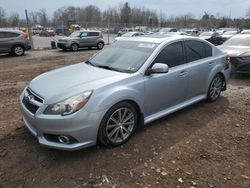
point(235, 50)
point(65, 82)
point(68, 38)
point(120, 38)
point(227, 36)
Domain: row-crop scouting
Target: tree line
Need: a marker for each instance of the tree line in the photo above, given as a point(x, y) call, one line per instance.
point(122, 16)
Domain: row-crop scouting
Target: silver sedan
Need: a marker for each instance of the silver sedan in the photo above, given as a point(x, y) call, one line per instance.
point(129, 83)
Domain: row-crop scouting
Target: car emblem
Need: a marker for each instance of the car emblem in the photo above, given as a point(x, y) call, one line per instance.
point(30, 97)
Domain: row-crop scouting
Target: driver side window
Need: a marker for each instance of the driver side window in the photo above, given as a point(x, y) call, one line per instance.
point(172, 55)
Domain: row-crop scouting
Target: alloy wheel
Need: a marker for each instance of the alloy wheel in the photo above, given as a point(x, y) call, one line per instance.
point(216, 87)
point(120, 125)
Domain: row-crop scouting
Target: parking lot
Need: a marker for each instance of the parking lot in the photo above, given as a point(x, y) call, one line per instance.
point(205, 145)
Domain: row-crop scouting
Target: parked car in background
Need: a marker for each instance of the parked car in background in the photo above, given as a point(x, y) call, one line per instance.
point(129, 83)
point(123, 31)
point(81, 39)
point(238, 48)
point(212, 37)
point(14, 42)
point(220, 31)
point(47, 33)
point(192, 32)
point(245, 31)
point(130, 34)
point(228, 34)
point(167, 30)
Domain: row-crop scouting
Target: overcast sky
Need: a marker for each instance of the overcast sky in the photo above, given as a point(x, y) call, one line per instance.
point(233, 8)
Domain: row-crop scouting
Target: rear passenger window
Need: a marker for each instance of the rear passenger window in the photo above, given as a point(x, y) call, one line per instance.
point(172, 55)
point(93, 34)
point(197, 50)
point(8, 35)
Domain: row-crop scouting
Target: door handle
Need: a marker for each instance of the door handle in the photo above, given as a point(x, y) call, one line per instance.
point(183, 73)
point(211, 63)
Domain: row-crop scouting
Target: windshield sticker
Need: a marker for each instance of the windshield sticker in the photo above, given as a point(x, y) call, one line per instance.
point(146, 45)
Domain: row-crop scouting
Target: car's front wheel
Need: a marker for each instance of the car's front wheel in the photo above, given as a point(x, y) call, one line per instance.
point(118, 124)
point(18, 50)
point(215, 88)
point(74, 47)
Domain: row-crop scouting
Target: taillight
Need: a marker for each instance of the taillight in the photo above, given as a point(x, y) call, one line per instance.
point(228, 58)
point(25, 36)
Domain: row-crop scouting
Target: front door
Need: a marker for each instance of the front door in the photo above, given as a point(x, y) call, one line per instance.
point(165, 90)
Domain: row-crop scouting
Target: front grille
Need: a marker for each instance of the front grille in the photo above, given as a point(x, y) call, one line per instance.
point(31, 107)
point(36, 97)
point(32, 101)
point(61, 45)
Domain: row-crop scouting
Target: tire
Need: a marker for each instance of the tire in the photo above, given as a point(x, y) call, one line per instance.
point(215, 88)
point(100, 45)
point(18, 50)
point(74, 47)
point(118, 124)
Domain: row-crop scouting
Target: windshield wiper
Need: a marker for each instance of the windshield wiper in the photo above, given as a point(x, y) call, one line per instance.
point(90, 63)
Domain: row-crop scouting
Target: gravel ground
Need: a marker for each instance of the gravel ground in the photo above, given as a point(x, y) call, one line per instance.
point(204, 145)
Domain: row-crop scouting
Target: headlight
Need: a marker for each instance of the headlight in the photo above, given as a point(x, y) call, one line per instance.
point(70, 105)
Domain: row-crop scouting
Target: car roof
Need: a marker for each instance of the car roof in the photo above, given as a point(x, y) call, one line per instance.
point(12, 31)
point(157, 38)
point(90, 31)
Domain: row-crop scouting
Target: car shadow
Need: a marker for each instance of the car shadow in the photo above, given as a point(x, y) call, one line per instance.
point(79, 50)
point(7, 55)
point(25, 154)
point(243, 79)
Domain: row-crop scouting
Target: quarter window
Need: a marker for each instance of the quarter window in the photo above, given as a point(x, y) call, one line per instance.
point(8, 35)
point(93, 34)
point(172, 55)
point(197, 50)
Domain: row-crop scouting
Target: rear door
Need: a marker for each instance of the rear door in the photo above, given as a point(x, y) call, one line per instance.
point(7, 40)
point(166, 90)
point(93, 37)
point(199, 65)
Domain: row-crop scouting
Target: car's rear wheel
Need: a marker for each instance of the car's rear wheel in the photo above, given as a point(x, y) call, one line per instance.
point(118, 124)
point(215, 88)
point(100, 46)
point(74, 47)
point(18, 50)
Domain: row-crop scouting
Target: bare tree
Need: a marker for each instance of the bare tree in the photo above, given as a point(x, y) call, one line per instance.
point(2, 17)
point(125, 14)
point(43, 17)
point(14, 20)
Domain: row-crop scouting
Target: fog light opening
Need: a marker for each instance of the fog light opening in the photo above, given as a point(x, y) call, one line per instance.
point(63, 139)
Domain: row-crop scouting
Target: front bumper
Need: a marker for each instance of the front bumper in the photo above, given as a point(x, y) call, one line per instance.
point(240, 65)
point(63, 45)
point(82, 126)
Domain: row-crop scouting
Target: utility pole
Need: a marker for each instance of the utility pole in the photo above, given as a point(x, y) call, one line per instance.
point(29, 30)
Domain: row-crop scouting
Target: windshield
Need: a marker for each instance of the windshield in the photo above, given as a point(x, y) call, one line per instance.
point(206, 34)
point(124, 56)
point(238, 41)
point(75, 34)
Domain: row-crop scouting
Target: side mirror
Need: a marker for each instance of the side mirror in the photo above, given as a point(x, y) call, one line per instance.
point(159, 68)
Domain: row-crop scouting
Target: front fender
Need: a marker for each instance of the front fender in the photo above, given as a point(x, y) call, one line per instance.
point(103, 102)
